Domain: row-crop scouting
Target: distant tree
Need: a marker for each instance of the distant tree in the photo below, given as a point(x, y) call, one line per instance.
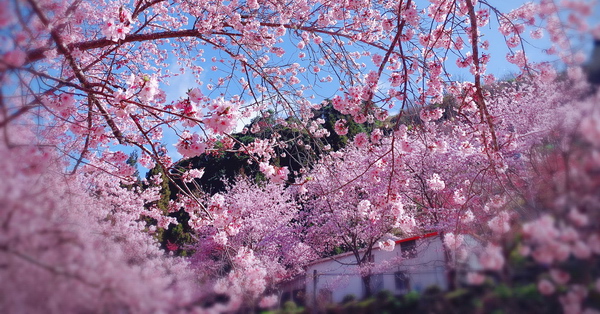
point(133, 162)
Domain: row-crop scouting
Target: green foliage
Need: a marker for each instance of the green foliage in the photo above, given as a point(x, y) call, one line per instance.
point(503, 292)
point(289, 307)
point(165, 189)
point(411, 116)
point(220, 170)
point(133, 161)
point(302, 149)
point(330, 115)
point(176, 235)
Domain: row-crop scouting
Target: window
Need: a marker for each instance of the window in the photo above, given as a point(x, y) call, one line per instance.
point(402, 282)
point(409, 249)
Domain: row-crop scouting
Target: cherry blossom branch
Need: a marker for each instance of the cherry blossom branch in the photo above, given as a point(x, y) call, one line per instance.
point(66, 51)
point(485, 115)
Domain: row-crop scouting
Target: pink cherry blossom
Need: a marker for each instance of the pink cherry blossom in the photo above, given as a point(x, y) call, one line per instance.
point(475, 278)
point(492, 258)
point(340, 127)
point(222, 117)
point(268, 301)
point(500, 223)
point(453, 241)
point(581, 250)
point(14, 58)
point(436, 183)
point(578, 218)
point(361, 140)
point(115, 31)
point(192, 174)
point(387, 245)
point(196, 95)
point(546, 287)
point(86, 82)
point(560, 277)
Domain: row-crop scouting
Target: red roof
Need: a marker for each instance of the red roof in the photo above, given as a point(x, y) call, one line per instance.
point(431, 234)
point(427, 235)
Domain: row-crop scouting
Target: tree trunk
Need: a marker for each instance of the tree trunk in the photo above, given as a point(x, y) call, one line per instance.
point(367, 285)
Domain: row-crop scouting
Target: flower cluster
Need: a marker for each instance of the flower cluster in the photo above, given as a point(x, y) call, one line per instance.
point(222, 116)
point(190, 145)
point(116, 29)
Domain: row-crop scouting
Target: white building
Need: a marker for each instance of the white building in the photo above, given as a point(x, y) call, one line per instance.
point(414, 264)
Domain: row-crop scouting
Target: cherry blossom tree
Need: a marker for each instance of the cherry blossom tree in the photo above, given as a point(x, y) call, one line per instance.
point(112, 68)
point(437, 176)
point(252, 239)
point(76, 243)
point(347, 204)
point(558, 244)
point(81, 80)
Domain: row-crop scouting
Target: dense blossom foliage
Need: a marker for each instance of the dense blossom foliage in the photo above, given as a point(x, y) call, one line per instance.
point(253, 224)
point(76, 243)
point(559, 249)
point(82, 80)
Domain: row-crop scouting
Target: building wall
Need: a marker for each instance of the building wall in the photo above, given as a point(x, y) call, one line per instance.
point(293, 290)
point(332, 279)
